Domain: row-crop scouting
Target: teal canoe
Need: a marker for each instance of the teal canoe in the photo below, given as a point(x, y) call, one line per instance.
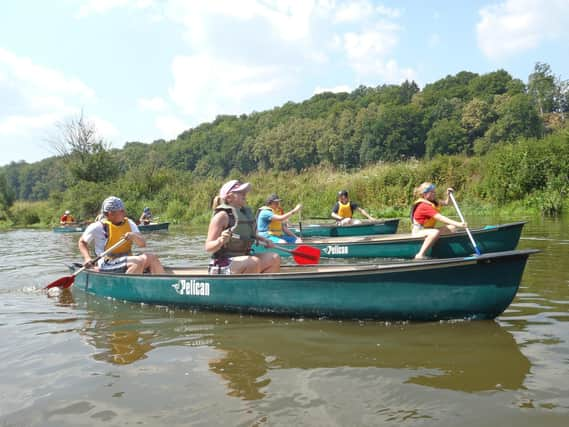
point(492, 238)
point(387, 226)
point(78, 228)
point(153, 226)
point(478, 287)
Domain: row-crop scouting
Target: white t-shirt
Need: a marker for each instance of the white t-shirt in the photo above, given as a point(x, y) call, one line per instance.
point(96, 231)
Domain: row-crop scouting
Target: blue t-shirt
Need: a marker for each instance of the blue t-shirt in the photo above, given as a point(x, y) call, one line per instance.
point(263, 220)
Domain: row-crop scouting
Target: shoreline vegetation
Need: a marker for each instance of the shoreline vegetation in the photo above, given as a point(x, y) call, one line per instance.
point(526, 178)
point(502, 144)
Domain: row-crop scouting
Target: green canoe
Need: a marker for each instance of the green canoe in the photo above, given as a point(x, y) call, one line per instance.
point(468, 287)
point(492, 238)
point(387, 226)
point(77, 228)
point(153, 226)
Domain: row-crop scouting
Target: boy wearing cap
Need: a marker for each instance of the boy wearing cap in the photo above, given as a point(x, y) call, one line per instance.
point(231, 234)
point(66, 218)
point(343, 210)
point(425, 213)
point(113, 226)
point(271, 221)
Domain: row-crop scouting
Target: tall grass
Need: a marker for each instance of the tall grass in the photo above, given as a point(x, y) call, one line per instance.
point(529, 177)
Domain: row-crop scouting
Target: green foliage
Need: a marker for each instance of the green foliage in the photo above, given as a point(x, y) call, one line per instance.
point(515, 171)
point(388, 130)
point(7, 195)
point(446, 137)
point(24, 214)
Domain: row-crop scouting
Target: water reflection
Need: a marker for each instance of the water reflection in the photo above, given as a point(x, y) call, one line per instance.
point(463, 356)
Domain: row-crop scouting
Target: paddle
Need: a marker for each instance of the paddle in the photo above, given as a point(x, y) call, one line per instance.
point(302, 254)
point(67, 281)
point(462, 219)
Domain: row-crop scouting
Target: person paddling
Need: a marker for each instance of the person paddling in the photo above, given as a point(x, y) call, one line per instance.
point(343, 210)
point(112, 226)
point(66, 218)
point(425, 213)
point(146, 216)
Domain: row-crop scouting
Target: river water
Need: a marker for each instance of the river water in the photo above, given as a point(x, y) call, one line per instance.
point(78, 360)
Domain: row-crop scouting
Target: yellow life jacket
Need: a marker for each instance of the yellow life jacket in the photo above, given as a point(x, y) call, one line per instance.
point(345, 210)
point(114, 233)
point(429, 223)
point(275, 227)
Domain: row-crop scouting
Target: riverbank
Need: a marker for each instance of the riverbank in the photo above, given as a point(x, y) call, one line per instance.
point(521, 179)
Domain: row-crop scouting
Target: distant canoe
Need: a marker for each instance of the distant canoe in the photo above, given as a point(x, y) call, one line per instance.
point(492, 238)
point(78, 228)
point(153, 226)
point(477, 287)
point(387, 226)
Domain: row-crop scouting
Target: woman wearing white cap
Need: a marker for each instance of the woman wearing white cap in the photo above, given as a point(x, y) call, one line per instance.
point(231, 234)
point(109, 230)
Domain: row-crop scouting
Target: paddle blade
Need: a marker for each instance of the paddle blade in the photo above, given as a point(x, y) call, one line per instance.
point(306, 254)
point(63, 283)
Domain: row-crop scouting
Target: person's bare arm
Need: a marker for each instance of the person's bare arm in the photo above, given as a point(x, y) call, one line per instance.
point(217, 234)
point(449, 221)
point(288, 214)
point(364, 213)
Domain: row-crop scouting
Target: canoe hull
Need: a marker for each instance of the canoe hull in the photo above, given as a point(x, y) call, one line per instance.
point(473, 287)
point(388, 226)
point(159, 226)
point(498, 238)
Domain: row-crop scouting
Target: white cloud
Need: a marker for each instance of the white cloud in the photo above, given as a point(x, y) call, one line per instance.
point(353, 11)
point(151, 104)
point(99, 7)
point(388, 11)
point(37, 77)
point(35, 97)
point(335, 89)
point(170, 127)
point(515, 26)
point(371, 43)
point(22, 125)
point(289, 19)
point(361, 11)
point(104, 128)
point(206, 86)
point(387, 70)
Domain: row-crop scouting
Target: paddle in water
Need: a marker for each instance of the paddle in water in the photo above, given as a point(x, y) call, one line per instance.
point(462, 219)
point(67, 281)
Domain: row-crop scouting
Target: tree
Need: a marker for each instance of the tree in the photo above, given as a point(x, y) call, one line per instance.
point(477, 116)
point(6, 193)
point(86, 155)
point(541, 87)
point(446, 137)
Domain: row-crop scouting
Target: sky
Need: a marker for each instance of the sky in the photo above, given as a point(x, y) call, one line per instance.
point(142, 70)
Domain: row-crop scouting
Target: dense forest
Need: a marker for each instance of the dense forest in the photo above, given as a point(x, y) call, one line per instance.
point(483, 125)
